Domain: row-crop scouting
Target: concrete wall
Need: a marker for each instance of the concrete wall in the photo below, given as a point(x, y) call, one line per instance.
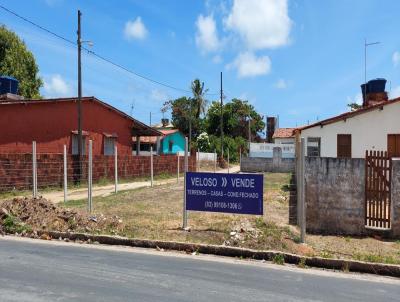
point(369, 131)
point(262, 164)
point(335, 197)
point(335, 191)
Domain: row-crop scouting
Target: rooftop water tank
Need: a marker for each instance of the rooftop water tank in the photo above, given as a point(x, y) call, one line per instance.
point(8, 85)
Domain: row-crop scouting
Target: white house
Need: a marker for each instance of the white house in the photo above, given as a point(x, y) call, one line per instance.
point(376, 126)
point(284, 136)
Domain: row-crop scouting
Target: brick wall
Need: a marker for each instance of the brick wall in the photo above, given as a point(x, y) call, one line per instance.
point(16, 169)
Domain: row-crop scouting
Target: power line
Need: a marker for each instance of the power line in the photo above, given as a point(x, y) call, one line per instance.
point(98, 55)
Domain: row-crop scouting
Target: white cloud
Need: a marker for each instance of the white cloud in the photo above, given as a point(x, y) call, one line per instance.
point(206, 35)
point(217, 59)
point(260, 23)
point(396, 58)
point(55, 86)
point(135, 29)
point(281, 84)
point(249, 65)
point(395, 93)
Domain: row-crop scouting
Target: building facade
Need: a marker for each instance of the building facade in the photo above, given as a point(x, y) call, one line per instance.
point(52, 123)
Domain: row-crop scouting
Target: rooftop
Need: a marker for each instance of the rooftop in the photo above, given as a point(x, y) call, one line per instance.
point(284, 133)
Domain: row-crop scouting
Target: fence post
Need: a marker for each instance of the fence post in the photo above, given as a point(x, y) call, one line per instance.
point(90, 167)
point(302, 192)
point(65, 174)
point(115, 169)
point(184, 223)
point(151, 165)
point(215, 160)
point(228, 160)
point(177, 176)
point(34, 170)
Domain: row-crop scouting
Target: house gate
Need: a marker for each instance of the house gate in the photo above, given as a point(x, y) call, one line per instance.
point(378, 174)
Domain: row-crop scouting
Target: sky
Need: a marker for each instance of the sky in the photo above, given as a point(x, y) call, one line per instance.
point(300, 60)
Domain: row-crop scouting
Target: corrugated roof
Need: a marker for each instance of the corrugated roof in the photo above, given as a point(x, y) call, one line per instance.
point(153, 139)
point(284, 133)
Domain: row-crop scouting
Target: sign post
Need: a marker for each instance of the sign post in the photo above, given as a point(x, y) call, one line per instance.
point(224, 193)
point(184, 216)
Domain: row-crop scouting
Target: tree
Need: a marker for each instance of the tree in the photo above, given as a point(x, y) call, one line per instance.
point(236, 115)
point(182, 116)
point(17, 61)
point(199, 97)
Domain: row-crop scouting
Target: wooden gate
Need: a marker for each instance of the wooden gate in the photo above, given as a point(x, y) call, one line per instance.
point(378, 172)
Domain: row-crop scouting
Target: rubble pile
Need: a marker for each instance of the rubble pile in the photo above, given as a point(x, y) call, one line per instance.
point(26, 216)
point(241, 232)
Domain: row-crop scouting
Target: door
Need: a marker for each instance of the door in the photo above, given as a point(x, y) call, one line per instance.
point(393, 145)
point(344, 145)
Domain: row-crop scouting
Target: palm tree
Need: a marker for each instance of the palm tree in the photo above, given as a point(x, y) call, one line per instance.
point(199, 97)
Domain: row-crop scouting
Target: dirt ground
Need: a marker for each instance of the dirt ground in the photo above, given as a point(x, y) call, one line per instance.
point(156, 213)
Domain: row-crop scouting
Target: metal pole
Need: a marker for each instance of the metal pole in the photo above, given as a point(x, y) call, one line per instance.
point(184, 222)
point(177, 175)
point(34, 170)
point(65, 174)
point(222, 121)
point(151, 165)
point(79, 43)
point(215, 160)
point(115, 169)
point(228, 160)
point(302, 196)
point(198, 160)
point(240, 159)
point(90, 163)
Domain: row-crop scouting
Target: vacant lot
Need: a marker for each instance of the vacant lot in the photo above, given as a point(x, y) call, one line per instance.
point(156, 213)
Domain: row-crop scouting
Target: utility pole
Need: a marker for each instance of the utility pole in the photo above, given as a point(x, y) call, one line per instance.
point(190, 123)
point(365, 66)
point(249, 132)
point(79, 42)
point(222, 122)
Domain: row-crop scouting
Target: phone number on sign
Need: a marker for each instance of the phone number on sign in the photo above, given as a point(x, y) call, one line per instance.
point(223, 205)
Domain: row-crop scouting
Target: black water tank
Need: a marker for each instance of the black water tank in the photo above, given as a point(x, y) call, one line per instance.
point(8, 85)
point(377, 85)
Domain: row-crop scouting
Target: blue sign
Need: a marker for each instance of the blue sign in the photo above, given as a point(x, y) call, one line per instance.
point(227, 193)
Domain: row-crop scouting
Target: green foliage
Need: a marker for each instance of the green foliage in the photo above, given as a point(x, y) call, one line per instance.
point(17, 61)
point(235, 119)
point(199, 97)
point(233, 144)
point(278, 259)
point(12, 225)
point(182, 111)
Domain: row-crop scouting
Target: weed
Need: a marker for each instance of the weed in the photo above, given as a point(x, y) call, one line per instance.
point(302, 263)
point(326, 254)
point(278, 259)
point(12, 224)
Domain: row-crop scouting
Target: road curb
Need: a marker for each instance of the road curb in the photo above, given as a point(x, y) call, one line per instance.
point(318, 262)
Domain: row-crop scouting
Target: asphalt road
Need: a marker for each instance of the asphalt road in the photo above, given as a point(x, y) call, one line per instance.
point(39, 271)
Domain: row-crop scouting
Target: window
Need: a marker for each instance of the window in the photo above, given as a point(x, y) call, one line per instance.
point(344, 145)
point(109, 145)
point(75, 144)
point(314, 146)
point(393, 145)
point(170, 145)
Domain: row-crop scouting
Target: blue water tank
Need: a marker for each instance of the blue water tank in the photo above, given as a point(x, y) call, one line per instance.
point(8, 85)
